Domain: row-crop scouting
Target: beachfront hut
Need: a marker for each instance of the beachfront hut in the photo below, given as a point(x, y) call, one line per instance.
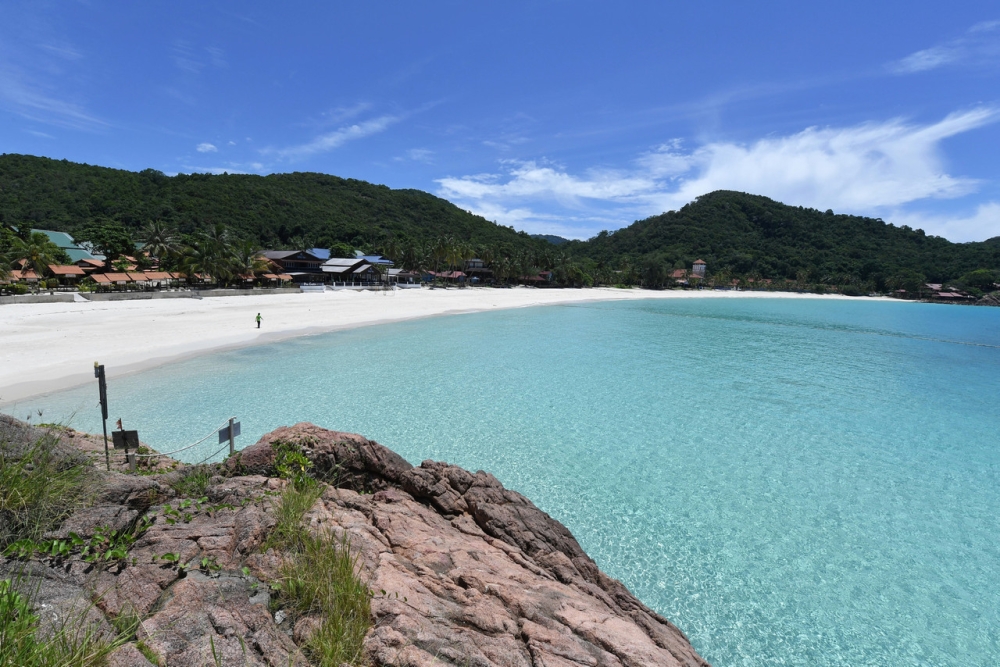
point(119, 279)
point(89, 264)
point(448, 276)
point(280, 278)
point(698, 269)
point(67, 273)
point(160, 278)
point(23, 276)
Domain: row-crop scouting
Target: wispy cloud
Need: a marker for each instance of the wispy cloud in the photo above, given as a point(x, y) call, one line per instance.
point(331, 140)
point(43, 135)
point(868, 168)
point(416, 155)
point(206, 148)
point(979, 45)
point(185, 57)
point(342, 113)
point(29, 98)
point(64, 51)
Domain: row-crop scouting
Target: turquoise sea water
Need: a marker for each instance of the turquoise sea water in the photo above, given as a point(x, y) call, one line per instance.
point(792, 482)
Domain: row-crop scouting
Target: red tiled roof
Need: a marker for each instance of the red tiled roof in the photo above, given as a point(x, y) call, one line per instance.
point(66, 270)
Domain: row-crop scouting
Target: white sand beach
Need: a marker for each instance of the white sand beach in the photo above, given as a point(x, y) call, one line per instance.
point(52, 346)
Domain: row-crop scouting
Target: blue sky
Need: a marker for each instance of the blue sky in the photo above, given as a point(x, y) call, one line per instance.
point(553, 117)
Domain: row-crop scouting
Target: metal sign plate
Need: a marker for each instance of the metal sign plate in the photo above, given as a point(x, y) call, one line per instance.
point(125, 439)
point(224, 432)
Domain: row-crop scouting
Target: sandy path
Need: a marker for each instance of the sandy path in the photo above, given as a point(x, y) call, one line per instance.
point(45, 347)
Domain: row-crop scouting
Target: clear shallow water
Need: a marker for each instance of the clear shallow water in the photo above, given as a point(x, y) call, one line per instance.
point(792, 482)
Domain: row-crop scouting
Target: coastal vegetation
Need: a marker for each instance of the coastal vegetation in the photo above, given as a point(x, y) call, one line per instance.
point(38, 489)
point(218, 225)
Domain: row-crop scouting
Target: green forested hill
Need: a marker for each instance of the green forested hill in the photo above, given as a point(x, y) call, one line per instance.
point(298, 209)
point(748, 234)
point(737, 234)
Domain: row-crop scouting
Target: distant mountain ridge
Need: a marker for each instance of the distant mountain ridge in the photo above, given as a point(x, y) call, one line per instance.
point(743, 233)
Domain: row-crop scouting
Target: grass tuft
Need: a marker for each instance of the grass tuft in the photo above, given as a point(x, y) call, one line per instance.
point(37, 490)
point(322, 580)
point(194, 483)
point(320, 575)
point(75, 644)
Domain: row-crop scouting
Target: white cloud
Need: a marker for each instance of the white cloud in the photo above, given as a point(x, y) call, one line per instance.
point(983, 224)
point(420, 154)
point(856, 168)
point(206, 148)
point(867, 169)
point(978, 45)
point(927, 59)
point(335, 139)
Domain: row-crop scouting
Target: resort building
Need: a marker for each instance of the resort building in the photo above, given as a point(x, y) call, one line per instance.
point(66, 243)
point(698, 269)
point(301, 265)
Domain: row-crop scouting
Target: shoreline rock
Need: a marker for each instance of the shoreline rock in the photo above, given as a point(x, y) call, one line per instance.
point(463, 571)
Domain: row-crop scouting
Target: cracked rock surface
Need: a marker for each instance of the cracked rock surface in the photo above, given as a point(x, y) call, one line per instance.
point(462, 570)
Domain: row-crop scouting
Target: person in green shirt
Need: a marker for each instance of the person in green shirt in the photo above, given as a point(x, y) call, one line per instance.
point(258, 320)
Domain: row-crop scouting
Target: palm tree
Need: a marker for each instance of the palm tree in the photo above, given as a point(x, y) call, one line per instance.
point(246, 258)
point(159, 240)
point(199, 257)
point(35, 252)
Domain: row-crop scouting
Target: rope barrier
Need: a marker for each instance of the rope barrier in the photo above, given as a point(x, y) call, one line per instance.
point(224, 448)
point(182, 449)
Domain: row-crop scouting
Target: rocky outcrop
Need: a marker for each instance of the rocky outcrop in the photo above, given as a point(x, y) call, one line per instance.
point(463, 571)
point(471, 570)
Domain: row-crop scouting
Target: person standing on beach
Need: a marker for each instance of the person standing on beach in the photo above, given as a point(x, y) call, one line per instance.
point(258, 320)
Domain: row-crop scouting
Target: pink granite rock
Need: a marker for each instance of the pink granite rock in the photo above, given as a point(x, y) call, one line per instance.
point(462, 570)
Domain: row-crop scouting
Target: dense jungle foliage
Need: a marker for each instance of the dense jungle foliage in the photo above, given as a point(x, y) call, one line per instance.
point(217, 224)
point(278, 211)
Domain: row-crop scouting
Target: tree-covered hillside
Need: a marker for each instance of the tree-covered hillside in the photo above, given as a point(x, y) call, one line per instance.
point(280, 210)
point(743, 234)
point(740, 236)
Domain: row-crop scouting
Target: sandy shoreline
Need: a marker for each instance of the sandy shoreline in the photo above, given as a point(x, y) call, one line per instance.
point(53, 346)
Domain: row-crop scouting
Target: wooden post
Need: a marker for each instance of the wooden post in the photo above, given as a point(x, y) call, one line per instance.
point(103, 389)
point(232, 445)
